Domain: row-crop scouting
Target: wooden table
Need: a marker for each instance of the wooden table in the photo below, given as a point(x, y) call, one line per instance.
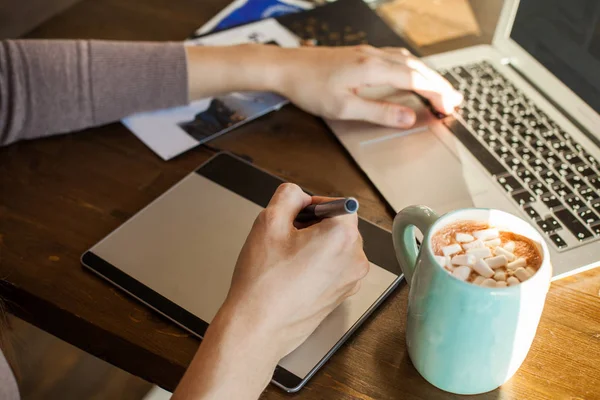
point(61, 195)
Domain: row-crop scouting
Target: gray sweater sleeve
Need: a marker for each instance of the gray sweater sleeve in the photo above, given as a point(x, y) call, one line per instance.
point(57, 86)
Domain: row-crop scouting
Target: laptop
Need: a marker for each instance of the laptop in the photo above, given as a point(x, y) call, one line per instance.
point(526, 139)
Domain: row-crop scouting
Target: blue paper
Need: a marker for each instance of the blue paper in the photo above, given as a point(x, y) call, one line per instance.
point(254, 10)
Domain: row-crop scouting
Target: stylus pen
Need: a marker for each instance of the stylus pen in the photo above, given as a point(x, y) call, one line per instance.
point(330, 209)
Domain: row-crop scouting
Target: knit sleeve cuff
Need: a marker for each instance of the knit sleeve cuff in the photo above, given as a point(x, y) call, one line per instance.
point(128, 77)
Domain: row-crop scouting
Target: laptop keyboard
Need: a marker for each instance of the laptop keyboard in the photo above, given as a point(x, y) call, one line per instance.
point(538, 165)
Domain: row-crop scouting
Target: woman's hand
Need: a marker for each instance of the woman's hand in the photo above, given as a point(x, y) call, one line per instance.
point(290, 279)
point(286, 281)
point(324, 81)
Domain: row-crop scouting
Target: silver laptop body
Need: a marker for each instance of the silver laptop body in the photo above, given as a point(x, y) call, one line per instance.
point(526, 140)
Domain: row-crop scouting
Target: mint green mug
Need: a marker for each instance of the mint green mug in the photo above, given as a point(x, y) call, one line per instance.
point(464, 338)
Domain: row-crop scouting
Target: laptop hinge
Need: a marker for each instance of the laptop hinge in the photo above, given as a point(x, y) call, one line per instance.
point(561, 110)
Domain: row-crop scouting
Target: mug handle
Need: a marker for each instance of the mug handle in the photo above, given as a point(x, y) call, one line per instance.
point(403, 234)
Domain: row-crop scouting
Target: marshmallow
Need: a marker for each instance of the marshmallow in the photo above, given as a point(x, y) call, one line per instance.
point(522, 274)
point(512, 281)
point(493, 243)
point(440, 260)
point(486, 234)
point(489, 283)
point(480, 252)
point(474, 244)
point(509, 246)
point(531, 271)
point(448, 263)
point(501, 284)
point(452, 249)
point(483, 269)
point(518, 263)
point(479, 280)
point(496, 262)
point(500, 276)
point(499, 251)
point(464, 259)
point(462, 272)
point(464, 238)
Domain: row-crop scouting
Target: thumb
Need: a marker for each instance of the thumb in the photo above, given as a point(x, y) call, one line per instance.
point(380, 112)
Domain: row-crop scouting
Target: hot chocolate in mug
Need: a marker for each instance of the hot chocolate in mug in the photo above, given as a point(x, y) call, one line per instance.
point(461, 337)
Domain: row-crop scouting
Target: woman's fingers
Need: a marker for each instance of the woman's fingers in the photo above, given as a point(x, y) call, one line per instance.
point(286, 203)
point(398, 68)
point(379, 112)
point(451, 97)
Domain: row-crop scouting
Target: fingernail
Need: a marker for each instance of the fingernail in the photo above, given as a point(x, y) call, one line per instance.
point(406, 119)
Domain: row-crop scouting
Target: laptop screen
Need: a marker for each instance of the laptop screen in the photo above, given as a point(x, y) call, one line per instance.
point(564, 36)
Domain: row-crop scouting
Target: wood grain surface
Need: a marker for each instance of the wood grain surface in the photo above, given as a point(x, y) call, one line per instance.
point(60, 195)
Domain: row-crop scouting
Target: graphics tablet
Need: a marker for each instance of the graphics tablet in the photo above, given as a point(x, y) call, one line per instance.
point(177, 255)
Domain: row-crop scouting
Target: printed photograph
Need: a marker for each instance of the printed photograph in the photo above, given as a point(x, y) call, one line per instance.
point(226, 112)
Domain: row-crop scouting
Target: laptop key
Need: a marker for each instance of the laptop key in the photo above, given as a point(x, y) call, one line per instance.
point(585, 170)
point(575, 202)
point(594, 181)
point(553, 223)
point(561, 146)
point(596, 229)
point(524, 152)
point(551, 158)
point(514, 163)
point(503, 152)
point(575, 181)
point(530, 211)
point(574, 159)
point(525, 175)
point(558, 241)
point(549, 177)
point(514, 141)
point(595, 204)
point(524, 197)
point(561, 189)
point(550, 200)
point(489, 162)
point(550, 136)
point(489, 137)
point(539, 146)
point(549, 225)
point(524, 131)
point(589, 216)
point(462, 72)
point(564, 134)
point(536, 164)
point(450, 78)
point(586, 193)
point(589, 158)
point(509, 183)
point(538, 187)
point(570, 221)
point(563, 169)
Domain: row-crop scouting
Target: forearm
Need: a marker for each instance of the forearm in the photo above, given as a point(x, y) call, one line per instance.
point(235, 360)
point(216, 70)
point(56, 86)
